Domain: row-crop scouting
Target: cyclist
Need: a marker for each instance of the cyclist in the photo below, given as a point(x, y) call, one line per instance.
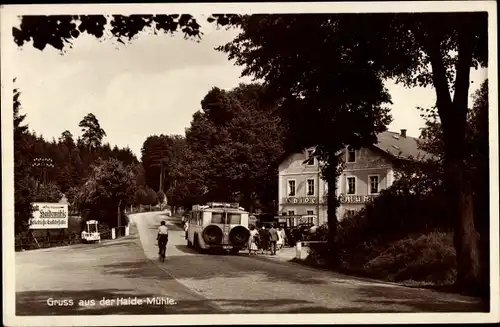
point(162, 239)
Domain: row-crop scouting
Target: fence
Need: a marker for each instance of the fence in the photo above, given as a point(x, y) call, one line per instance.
point(28, 242)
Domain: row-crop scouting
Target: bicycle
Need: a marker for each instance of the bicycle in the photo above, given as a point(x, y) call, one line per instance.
point(162, 244)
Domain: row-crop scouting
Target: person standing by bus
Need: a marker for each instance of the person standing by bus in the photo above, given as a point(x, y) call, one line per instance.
point(264, 240)
point(273, 239)
point(253, 241)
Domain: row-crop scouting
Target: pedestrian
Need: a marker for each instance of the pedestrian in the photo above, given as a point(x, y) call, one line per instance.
point(162, 238)
point(273, 239)
point(264, 240)
point(253, 241)
point(282, 233)
point(279, 243)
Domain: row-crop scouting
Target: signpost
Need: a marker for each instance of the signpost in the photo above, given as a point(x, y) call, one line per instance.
point(49, 216)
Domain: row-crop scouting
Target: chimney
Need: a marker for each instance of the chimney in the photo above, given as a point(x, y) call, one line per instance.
point(403, 132)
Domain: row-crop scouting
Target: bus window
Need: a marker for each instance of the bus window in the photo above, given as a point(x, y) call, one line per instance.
point(217, 218)
point(199, 218)
point(234, 218)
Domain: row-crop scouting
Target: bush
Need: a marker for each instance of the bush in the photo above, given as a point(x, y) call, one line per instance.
point(423, 258)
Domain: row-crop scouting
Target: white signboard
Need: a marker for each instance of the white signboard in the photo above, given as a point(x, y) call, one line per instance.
point(49, 216)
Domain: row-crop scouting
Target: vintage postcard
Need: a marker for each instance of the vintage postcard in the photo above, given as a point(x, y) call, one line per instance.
point(237, 163)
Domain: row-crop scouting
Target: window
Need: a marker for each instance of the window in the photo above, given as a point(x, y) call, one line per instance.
point(310, 212)
point(291, 212)
point(233, 218)
point(217, 218)
point(351, 185)
point(310, 158)
point(373, 184)
point(291, 188)
point(351, 155)
point(310, 187)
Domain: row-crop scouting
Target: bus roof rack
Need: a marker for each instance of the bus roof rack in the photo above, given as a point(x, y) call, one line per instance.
point(223, 205)
point(213, 205)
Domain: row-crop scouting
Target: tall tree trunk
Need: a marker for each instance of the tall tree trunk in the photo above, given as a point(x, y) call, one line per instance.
point(453, 117)
point(331, 173)
point(160, 188)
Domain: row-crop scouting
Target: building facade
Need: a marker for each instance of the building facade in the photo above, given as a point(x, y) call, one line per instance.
point(368, 171)
point(301, 189)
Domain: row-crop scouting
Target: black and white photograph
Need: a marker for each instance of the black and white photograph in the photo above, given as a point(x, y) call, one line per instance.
point(236, 163)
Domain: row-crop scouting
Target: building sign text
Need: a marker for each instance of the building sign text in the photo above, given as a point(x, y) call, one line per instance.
point(49, 216)
point(356, 198)
point(301, 200)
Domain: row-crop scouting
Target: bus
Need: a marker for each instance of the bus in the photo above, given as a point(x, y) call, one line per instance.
point(218, 226)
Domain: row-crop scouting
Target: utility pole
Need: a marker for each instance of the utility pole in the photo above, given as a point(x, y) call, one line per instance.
point(317, 201)
point(43, 163)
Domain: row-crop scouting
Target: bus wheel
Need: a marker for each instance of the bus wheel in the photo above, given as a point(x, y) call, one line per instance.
point(189, 244)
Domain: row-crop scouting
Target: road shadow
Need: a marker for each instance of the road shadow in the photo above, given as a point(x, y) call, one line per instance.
point(419, 300)
point(185, 249)
point(182, 268)
point(391, 298)
point(37, 303)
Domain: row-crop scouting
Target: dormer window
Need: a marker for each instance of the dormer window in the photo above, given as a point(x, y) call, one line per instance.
point(351, 155)
point(310, 158)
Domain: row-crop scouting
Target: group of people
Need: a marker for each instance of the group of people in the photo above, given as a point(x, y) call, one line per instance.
point(265, 239)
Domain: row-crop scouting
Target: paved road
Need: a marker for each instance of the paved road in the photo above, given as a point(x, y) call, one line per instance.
point(115, 269)
point(246, 284)
point(188, 282)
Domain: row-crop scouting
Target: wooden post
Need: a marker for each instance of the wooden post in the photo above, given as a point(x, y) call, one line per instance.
point(36, 241)
point(298, 250)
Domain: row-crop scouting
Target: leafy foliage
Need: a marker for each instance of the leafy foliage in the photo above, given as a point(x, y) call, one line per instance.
point(23, 191)
point(92, 131)
point(59, 30)
point(110, 187)
point(330, 95)
point(337, 62)
point(72, 162)
point(47, 193)
point(161, 161)
point(234, 143)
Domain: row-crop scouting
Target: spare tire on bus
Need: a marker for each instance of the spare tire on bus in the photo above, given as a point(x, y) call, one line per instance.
point(212, 235)
point(239, 235)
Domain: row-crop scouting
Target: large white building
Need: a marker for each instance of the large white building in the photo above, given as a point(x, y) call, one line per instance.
point(369, 170)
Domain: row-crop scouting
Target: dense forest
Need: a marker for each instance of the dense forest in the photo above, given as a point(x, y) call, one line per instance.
point(229, 152)
point(46, 170)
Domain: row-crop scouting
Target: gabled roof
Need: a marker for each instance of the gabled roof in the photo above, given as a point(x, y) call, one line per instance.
point(400, 147)
point(393, 144)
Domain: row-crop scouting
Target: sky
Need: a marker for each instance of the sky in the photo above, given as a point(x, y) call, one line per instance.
point(152, 86)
